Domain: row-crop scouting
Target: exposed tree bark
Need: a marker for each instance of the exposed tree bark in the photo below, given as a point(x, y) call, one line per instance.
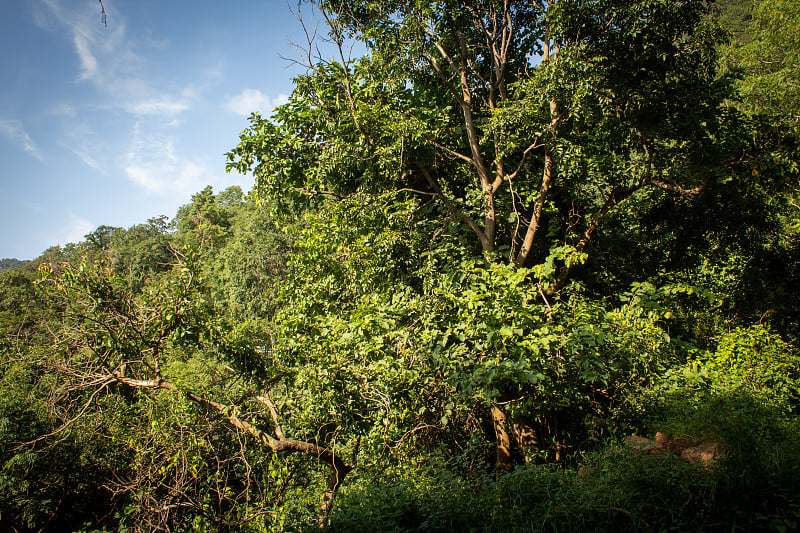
point(533, 227)
point(504, 461)
point(486, 241)
point(550, 171)
point(525, 436)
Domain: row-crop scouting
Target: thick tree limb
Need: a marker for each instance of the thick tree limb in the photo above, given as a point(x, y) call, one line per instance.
point(458, 155)
point(533, 227)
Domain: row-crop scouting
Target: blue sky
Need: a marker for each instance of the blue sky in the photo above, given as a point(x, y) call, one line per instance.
point(114, 125)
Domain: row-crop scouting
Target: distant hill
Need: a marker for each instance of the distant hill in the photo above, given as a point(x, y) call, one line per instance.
point(11, 264)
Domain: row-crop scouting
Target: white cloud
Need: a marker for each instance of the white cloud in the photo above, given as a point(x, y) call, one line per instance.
point(147, 176)
point(83, 155)
point(109, 60)
point(157, 106)
point(74, 229)
point(63, 109)
point(250, 100)
point(153, 163)
point(88, 61)
point(15, 133)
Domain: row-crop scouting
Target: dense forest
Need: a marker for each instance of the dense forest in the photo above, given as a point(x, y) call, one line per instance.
point(11, 264)
point(521, 266)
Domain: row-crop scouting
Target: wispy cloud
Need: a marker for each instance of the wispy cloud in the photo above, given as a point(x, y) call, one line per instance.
point(157, 106)
point(88, 61)
point(74, 229)
point(109, 60)
point(117, 66)
point(15, 133)
point(83, 154)
point(250, 100)
point(154, 163)
point(63, 109)
point(80, 139)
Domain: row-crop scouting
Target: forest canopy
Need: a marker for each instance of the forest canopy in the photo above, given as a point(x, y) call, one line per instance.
point(521, 266)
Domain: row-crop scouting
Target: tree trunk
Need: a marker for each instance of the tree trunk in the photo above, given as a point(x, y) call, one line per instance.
point(334, 482)
point(504, 462)
point(525, 436)
point(536, 218)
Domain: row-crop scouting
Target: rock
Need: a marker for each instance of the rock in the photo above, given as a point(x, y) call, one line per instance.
point(644, 445)
point(677, 446)
point(690, 450)
point(706, 453)
point(636, 441)
point(663, 438)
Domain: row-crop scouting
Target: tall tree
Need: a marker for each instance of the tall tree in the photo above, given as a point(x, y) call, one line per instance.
point(529, 123)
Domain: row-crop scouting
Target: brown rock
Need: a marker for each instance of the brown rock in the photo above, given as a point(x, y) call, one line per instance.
point(654, 450)
point(635, 441)
point(679, 445)
point(689, 450)
point(644, 445)
point(705, 453)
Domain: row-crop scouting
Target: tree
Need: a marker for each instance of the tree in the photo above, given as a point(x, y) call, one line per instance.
point(768, 60)
point(253, 259)
point(530, 124)
point(100, 239)
point(11, 264)
point(114, 339)
point(500, 218)
point(205, 223)
point(735, 16)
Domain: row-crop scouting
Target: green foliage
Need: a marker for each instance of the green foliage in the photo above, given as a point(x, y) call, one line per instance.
point(11, 264)
point(747, 361)
point(248, 268)
point(205, 223)
point(579, 365)
point(617, 490)
point(52, 479)
point(24, 316)
point(769, 61)
point(426, 497)
point(760, 363)
point(734, 16)
point(215, 480)
point(743, 395)
point(142, 251)
point(613, 490)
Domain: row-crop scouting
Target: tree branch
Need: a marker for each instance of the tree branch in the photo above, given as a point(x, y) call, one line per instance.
point(452, 208)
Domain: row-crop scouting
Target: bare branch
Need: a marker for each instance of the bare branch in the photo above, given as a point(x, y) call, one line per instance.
point(533, 146)
point(347, 82)
point(273, 411)
point(675, 188)
point(453, 152)
point(440, 74)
